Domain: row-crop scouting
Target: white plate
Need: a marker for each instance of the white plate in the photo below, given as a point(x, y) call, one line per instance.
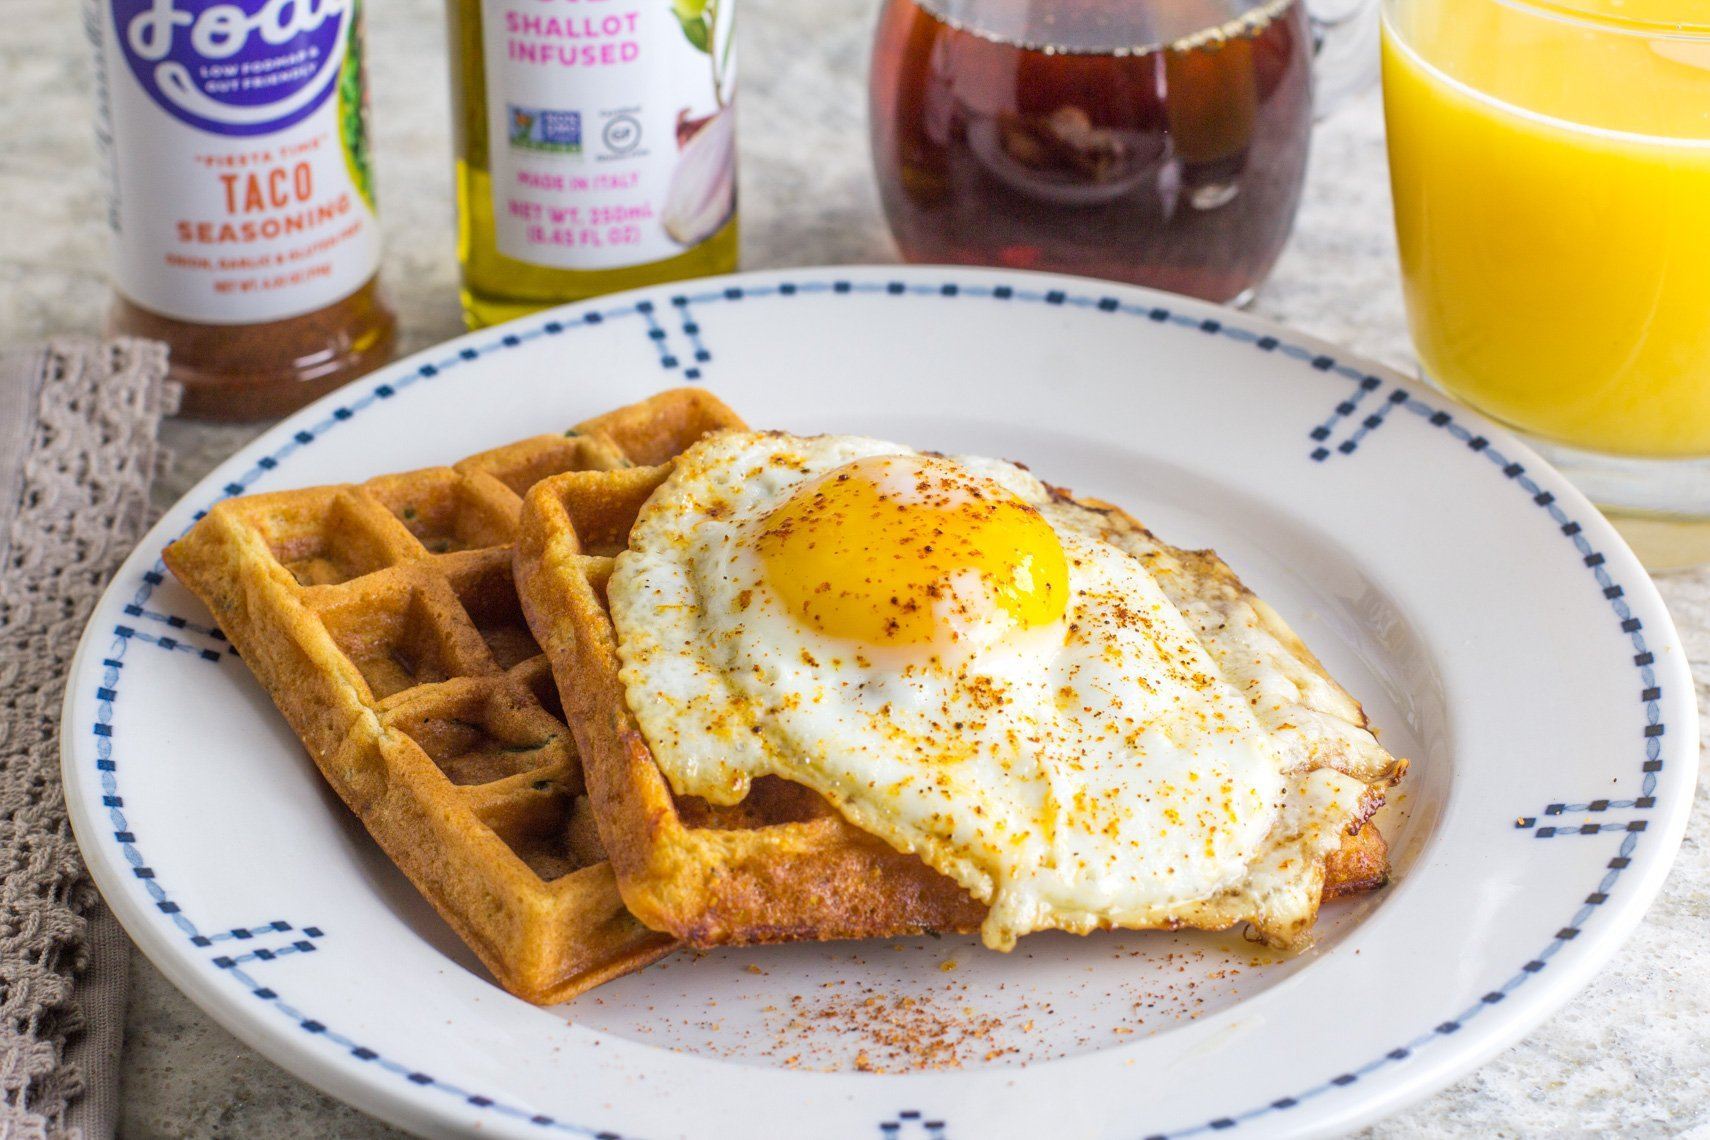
point(1494, 625)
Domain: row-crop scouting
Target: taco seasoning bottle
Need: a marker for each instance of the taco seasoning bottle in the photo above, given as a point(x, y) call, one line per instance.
point(235, 137)
point(596, 147)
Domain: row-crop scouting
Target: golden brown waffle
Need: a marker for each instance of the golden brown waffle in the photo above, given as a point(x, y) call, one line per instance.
point(383, 620)
point(782, 865)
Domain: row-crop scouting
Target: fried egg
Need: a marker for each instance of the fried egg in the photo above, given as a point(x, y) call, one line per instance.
point(1039, 701)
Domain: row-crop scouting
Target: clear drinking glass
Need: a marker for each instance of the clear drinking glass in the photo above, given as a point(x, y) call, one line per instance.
point(1550, 161)
point(1161, 142)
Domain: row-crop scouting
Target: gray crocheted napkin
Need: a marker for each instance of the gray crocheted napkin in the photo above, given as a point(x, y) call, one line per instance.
point(77, 452)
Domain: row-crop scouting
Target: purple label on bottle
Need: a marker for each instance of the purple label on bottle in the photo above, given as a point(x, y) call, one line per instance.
point(235, 67)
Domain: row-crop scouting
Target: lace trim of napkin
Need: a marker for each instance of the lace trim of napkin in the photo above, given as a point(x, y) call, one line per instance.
point(78, 450)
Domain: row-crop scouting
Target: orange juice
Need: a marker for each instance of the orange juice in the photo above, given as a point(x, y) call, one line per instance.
point(1551, 170)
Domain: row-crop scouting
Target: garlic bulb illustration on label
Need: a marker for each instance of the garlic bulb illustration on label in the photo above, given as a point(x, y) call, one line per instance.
point(611, 128)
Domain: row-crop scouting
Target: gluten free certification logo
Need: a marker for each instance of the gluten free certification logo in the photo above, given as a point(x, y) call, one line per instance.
point(621, 133)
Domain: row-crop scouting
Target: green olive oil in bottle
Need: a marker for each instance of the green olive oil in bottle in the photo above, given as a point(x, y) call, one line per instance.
point(596, 147)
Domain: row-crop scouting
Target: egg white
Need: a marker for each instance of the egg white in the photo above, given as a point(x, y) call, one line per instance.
point(1140, 763)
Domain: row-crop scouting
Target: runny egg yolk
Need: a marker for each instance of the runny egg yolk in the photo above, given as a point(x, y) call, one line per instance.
point(912, 550)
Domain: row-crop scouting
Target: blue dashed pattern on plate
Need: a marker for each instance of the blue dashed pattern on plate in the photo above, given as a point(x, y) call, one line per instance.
point(1361, 406)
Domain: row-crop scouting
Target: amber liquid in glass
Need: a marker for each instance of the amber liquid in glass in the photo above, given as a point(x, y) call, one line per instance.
point(1160, 142)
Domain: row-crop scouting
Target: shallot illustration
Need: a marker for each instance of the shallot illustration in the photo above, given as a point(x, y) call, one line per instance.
point(702, 196)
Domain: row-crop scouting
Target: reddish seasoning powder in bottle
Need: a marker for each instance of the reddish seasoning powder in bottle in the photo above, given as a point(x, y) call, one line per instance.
point(235, 137)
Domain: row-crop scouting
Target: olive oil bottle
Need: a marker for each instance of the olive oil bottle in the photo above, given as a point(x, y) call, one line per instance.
point(596, 147)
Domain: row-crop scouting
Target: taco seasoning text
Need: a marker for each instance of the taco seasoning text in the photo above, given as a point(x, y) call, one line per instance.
point(235, 137)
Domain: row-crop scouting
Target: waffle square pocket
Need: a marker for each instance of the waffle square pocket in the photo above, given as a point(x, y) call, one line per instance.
point(782, 865)
point(383, 620)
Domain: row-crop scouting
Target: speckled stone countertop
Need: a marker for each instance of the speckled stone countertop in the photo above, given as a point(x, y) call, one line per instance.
point(1593, 1069)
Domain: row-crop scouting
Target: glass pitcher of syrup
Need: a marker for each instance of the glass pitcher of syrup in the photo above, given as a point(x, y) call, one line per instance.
point(1159, 142)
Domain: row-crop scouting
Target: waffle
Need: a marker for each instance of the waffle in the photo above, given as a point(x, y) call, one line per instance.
point(383, 620)
point(782, 865)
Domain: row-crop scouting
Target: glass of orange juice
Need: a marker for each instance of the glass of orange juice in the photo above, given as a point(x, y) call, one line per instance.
point(1550, 161)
